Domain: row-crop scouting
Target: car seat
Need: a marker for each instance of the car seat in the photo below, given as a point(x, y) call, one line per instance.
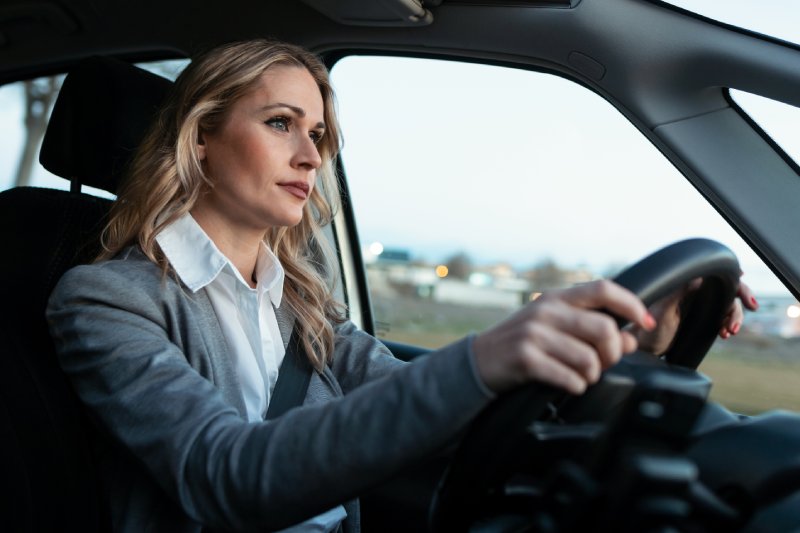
point(49, 479)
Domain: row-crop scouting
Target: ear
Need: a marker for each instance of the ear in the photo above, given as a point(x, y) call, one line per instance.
point(201, 146)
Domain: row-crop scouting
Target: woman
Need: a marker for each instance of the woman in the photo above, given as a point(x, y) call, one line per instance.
point(213, 256)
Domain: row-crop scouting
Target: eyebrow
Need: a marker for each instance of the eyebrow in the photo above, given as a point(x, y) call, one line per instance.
point(299, 111)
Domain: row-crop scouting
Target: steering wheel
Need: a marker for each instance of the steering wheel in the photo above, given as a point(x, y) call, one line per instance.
point(487, 454)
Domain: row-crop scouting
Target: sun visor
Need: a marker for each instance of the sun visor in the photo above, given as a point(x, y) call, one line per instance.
point(376, 12)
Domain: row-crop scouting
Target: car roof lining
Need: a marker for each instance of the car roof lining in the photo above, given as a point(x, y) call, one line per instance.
point(656, 91)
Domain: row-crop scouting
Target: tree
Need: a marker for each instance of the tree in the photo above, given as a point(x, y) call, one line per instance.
point(39, 96)
point(546, 275)
point(459, 265)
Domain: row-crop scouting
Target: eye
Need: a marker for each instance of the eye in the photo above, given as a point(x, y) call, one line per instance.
point(316, 136)
point(279, 123)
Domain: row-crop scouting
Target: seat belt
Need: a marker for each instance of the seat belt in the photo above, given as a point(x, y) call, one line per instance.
point(293, 378)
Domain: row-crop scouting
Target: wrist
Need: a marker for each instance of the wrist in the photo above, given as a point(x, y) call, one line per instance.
point(477, 368)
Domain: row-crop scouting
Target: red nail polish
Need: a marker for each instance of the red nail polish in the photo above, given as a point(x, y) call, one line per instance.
point(753, 301)
point(735, 329)
point(649, 322)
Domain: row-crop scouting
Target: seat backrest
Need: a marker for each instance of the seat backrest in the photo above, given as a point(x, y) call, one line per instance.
point(48, 477)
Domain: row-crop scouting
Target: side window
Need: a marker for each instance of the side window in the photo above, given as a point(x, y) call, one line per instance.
point(25, 108)
point(778, 120)
point(476, 188)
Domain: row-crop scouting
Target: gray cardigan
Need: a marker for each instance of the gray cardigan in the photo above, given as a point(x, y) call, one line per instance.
point(148, 358)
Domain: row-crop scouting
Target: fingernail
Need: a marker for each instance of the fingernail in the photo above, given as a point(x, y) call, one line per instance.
point(735, 329)
point(753, 301)
point(725, 335)
point(649, 322)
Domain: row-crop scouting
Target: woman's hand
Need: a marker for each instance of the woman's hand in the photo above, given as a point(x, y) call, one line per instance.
point(735, 317)
point(561, 338)
point(667, 313)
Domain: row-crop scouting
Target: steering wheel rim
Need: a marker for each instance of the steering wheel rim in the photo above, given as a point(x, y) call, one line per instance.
point(485, 454)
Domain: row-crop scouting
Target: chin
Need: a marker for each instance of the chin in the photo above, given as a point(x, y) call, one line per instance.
point(289, 221)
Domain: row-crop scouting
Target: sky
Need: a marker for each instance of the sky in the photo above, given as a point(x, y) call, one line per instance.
point(529, 166)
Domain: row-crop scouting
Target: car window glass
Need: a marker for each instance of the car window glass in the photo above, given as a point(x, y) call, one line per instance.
point(777, 119)
point(776, 18)
point(25, 107)
point(475, 188)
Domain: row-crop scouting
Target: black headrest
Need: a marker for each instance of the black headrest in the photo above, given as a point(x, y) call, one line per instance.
point(102, 113)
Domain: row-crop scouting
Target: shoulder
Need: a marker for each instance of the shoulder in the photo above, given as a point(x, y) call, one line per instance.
point(129, 261)
point(130, 276)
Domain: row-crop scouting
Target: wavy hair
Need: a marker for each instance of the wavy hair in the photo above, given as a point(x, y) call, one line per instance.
point(166, 178)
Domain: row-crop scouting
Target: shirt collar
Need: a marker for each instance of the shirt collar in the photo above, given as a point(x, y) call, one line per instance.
point(197, 261)
point(270, 274)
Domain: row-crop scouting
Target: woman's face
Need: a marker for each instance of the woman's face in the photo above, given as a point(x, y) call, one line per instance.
point(263, 158)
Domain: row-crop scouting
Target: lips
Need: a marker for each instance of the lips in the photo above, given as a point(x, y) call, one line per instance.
point(300, 189)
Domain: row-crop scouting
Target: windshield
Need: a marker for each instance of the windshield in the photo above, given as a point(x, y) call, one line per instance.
point(453, 244)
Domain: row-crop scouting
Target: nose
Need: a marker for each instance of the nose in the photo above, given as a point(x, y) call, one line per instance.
point(306, 154)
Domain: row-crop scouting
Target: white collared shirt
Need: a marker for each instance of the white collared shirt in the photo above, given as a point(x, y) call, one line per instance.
point(246, 317)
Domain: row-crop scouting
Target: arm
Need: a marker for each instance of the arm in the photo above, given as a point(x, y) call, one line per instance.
point(359, 357)
point(113, 343)
point(561, 339)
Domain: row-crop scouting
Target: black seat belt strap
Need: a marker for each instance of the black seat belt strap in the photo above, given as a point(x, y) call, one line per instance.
point(293, 378)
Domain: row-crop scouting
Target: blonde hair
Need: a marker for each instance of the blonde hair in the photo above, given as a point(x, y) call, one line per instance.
point(166, 178)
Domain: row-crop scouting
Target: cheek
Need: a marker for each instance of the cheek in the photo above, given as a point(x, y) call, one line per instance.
point(234, 145)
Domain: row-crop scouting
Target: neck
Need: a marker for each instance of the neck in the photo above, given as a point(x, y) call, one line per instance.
point(239, 245)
